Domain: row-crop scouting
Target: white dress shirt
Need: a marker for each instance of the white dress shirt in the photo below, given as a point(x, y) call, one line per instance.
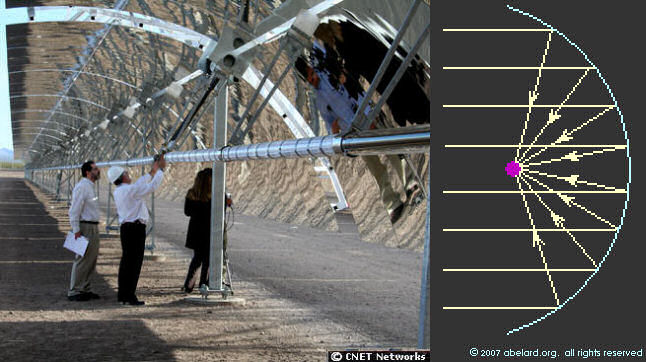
point(85, 205)
point(129, 199)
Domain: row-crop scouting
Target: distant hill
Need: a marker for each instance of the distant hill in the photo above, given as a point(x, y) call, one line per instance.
point(6, 154)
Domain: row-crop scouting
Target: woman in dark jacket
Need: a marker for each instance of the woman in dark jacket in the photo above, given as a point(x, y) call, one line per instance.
point(198, 207)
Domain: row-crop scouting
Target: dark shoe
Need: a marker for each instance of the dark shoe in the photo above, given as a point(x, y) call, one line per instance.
point(396, 214)
point(122, 299)
point(187, 290)
point(133, 302)
point(92, 295)
point(83, 297)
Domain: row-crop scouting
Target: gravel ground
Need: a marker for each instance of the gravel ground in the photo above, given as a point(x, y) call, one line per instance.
point(306, 291)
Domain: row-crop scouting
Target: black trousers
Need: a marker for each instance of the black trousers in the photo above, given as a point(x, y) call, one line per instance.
point(200, 258)
point(133, 240)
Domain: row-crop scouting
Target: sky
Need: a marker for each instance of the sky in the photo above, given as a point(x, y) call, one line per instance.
point(6, 140)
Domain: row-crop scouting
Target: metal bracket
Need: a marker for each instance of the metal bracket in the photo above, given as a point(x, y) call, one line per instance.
point(287, 10)
point(205, 291)
point(217, 55)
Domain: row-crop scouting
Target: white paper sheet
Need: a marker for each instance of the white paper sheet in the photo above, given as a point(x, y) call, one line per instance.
point(78, 246)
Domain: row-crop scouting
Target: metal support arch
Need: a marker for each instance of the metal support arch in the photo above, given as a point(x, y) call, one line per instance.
point(78, 72)
point(294, 120)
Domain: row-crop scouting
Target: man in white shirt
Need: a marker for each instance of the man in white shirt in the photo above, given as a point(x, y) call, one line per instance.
point(84, 218)
point(133, 216)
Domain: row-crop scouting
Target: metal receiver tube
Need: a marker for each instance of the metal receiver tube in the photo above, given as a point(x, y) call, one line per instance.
point(414, 142)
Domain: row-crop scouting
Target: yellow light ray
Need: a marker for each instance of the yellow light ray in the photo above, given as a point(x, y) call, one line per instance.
point(517, 68)
point(572, 156)
point(569, 201)
point(574, 180)
point(559, 221)
point(526, 105)
point(520, 270)
point(499, 308)
point(526, 230)
point(566, 136)
point(619, 147)
point(535, 192)
point(536, 241)
point(554, 115)
point(526, 29)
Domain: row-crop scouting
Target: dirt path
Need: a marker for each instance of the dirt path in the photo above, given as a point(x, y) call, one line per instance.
point(366, 287)
point(37, 321)
point(287, 316)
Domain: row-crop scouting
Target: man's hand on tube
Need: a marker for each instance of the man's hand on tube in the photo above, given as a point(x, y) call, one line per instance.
point(161, 162)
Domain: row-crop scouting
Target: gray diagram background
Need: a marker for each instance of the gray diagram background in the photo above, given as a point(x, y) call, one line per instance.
point(609, 313)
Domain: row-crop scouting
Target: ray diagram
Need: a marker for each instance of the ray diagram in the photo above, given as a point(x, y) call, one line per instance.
point(560, 178)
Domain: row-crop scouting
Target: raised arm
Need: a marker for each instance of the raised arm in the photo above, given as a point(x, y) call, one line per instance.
point(146, 185)
point(150, 182)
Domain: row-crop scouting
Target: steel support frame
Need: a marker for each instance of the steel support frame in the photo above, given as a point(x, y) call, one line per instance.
point(58, 184)
point(180, 130)
point(359, 120)
point(83, 100)
point(297, 125)
point(148, 123)
point(76, 72)
point(87, 121)
point(105, 16)
point(122, 143)
point(278, 101)
point(122, 147)
point(216, 252)
point(424, 332)
point(395, 79)
point(108, 220)
point(250, 122)
point(236, 135)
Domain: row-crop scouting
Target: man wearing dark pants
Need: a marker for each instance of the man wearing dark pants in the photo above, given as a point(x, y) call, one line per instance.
point(133, 239)
point(133, 216)
point(84, 218)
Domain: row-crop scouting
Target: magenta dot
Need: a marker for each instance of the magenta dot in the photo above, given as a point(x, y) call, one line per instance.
point(513, 169)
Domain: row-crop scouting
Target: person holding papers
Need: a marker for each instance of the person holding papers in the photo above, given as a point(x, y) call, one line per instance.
point(133, 216)
point(84, 218)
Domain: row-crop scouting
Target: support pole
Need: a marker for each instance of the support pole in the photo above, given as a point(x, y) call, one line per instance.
point(69, 187)
point(107, 211)
point(97, 190)
point(59, 176)
point(148, 124)
point(217, 191)
point(152, 231)
point(424, 335)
